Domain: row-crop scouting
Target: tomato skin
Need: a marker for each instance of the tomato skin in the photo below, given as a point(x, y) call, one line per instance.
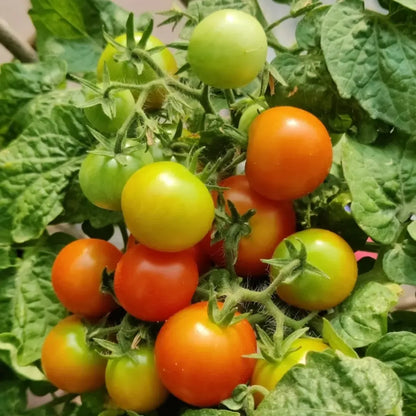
point(68, 361)
point(248, 116)
point(77, 272)
point(124, 106)
point(153, 285)
point(273, 221)
point(268, 374)
point(133, 383)
point(329, 253)
point(166, 207)
point(289, 153)
point(227, 49)
point(102, 177)
point(126, 72)
point(200, 362)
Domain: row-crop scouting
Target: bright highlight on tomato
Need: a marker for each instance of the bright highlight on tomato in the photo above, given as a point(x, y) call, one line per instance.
point(227, 49)
point(68, 361)
point(77, 272)
point(133, 383)
point(153, 285)
point(333, 256)
point(166, 207)
point(289, 153)
point(200, 362)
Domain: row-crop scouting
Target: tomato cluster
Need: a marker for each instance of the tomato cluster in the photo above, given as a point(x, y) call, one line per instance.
point(182, 231)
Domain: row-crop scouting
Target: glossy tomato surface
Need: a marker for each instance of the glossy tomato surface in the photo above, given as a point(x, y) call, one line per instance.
point(200, 362)
point(77, 273)
point(166, 207)
point(289, 153)
point(333, 256)
point(133, 383)
point(126, 72)
point(67, 360)
point(153, 285)
point(273, 221)
point(227, 49)
point(102, 177)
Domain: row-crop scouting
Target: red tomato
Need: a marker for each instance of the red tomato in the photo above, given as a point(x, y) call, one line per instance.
point(200, 362)
point(272, 222)
point(68, 361)
point(77, 272)
point(289, 153)
point(153, 285)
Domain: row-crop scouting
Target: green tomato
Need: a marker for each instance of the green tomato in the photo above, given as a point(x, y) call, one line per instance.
point(268, 374)
point(227, 49)
point(124, 106)
point(102, 177)
point(248, 116)
point(133, 383)
point(166, 207)
point(329, 253)
point(127, 72)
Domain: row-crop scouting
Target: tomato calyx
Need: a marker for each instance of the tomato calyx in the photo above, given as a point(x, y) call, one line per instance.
point(299, 254)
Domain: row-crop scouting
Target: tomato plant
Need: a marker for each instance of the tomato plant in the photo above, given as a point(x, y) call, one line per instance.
point(68, 361)
point(248, 116)
point(268, 374)
point(273, 221)
point(166, 207)
point(132, 381)
point(200, 362)
point(289, 153)
point(153, 285)
point(123, 102)
point(127, 72)
point(77, 272)
point(227, 49)
point(102, 177)
point(329, 253)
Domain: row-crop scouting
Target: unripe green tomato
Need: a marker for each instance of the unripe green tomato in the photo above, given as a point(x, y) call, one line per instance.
point(227, 49)
point(124, 105)
point(103, 177)
point(248, 116)
point(124, 71)
point(133, 383)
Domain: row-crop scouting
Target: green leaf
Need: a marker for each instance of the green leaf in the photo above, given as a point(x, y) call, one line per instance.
point(20, 83)
point(331, 337)
point(35, 170)
point(411, 229)
point(73, 29)
point(402, 321)
point(382, 184)
point(362, 318)
point(398, 351)
point(308, 30)
point(334, 385)
point(209, 412)
point(410, 4)
point(28, 305)
point(373, 59)
point(12, 393)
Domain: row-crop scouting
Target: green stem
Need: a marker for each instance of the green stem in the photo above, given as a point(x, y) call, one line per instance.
point(57, 400)
point(206, 101)
point(124, 234)
point(278, 22)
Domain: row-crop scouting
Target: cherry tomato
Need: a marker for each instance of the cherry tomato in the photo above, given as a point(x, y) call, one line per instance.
point(289, 153)
point(77, 272)
point(332, 255)
point(273, 221)
point(200, 362)
point(166, 207)
point(102, 177)
point(248, 116)
point(227, 49)
point(153, 285)
point(67, 360)
point(268, 374)
point(133, 383)
point(126, 72)
point(124, 106)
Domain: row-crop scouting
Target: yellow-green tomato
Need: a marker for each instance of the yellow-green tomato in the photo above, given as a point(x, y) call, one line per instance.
point(125, 71)
point(227, 49)
point(123, 104)
point(102, 177)
point(166, 207)
point(268, 374)
point(133, 383)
